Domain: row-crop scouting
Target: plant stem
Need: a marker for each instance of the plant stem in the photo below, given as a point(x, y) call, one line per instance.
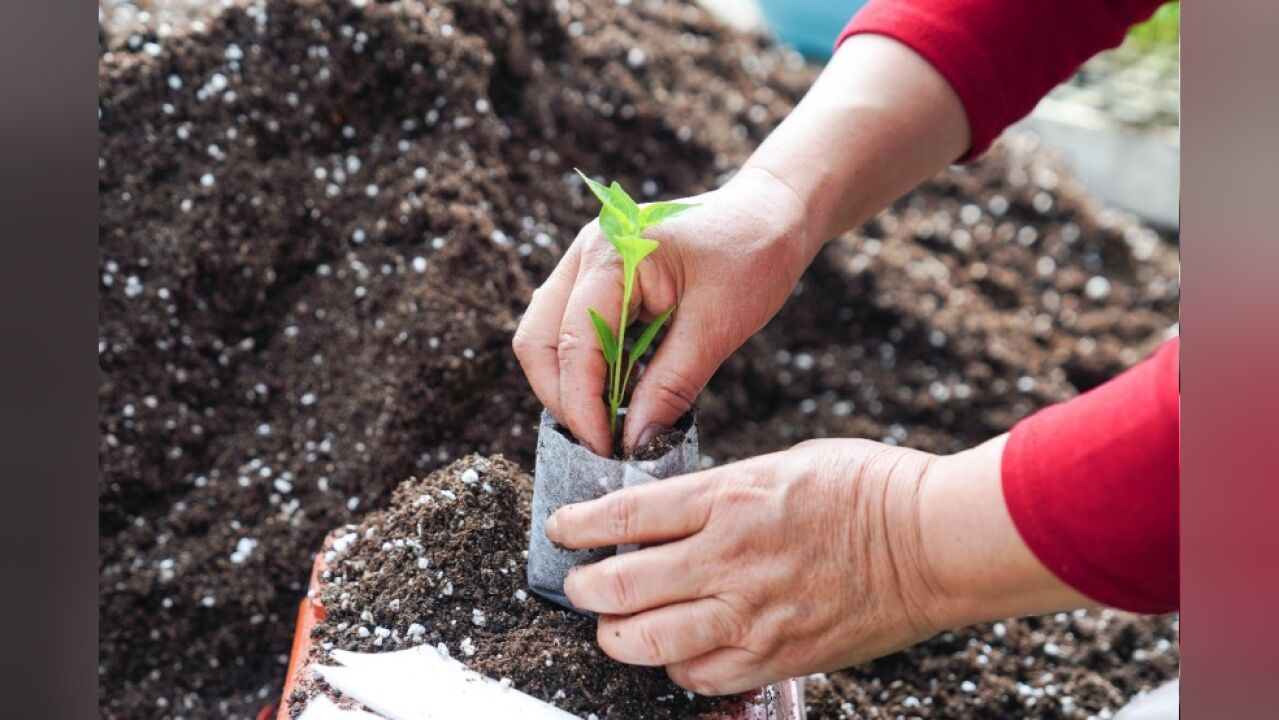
point(613, 400)
point(626, 379)
point(619, 387)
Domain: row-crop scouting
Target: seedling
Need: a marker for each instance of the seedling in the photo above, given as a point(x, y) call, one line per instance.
point(623, 222)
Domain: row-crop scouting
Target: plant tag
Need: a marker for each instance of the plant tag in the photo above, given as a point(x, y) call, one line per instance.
point(422, 683)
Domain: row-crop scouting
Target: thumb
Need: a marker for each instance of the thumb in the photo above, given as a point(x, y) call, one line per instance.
point(682, 366)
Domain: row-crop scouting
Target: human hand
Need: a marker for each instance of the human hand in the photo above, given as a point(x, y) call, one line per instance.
point(879, 120)
point(797, 562)
point(826, 555)
point(727, 266)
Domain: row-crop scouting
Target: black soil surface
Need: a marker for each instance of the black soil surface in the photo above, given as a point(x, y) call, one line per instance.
point(447, 556)
point(662, 443)
point(1070, 665)
point(319, 222)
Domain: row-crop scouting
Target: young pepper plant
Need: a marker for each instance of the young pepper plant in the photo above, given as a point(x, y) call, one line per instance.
point(623, 221)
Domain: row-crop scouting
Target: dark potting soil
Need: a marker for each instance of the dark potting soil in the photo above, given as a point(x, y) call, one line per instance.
point(662, 443)
point(1083, 664)
point(443, 564)
point(666, 440)
point(319, 223)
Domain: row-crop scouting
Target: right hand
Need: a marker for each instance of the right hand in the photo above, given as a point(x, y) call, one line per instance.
point(727, 266)
point(782, 565)
point(816, 558)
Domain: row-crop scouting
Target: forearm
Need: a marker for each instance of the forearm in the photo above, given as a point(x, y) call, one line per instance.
point(878, 121)
point(977, 563)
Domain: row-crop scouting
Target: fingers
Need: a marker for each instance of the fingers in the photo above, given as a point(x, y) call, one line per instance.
point(682, 365)
point(654, 512)
point(537, 339)
point(583, 371)
point(724, 671)
point(669, 634)
point(637, 581)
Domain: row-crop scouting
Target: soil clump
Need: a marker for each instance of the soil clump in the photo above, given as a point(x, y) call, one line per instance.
point(444, 565)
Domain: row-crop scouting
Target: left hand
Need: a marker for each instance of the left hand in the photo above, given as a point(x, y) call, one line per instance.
point(797, 562)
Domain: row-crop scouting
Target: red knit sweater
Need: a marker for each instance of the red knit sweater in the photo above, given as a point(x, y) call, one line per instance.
point(1091, 483)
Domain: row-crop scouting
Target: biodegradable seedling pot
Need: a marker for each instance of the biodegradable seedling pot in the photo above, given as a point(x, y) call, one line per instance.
point(568, 472)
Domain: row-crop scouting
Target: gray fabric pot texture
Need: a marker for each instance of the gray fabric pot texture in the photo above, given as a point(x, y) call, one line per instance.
point(567, 472)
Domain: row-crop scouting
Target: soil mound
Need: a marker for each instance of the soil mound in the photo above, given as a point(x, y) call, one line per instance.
point(443, 565)
point(447, 555)
point(320, 219)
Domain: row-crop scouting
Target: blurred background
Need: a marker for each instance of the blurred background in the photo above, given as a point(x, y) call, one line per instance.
point(1116, 121)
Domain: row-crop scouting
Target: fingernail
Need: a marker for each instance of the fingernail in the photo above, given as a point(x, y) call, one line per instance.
point(552, 528)
point(646, 435)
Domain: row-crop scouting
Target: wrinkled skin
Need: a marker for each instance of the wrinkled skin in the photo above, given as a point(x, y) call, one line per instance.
point(801, 561)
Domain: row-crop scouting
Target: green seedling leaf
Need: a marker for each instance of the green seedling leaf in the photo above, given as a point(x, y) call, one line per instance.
point(646, 338)
point(608, 341)
point(623, 202)
point(619, 215)
point(615, 226)
point(622, 221)
point(641, 344)
point(654, 213)
point(634, 249)
point(601, 191)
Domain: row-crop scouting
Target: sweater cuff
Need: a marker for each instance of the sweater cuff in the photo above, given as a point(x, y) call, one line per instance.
point(1092, 487)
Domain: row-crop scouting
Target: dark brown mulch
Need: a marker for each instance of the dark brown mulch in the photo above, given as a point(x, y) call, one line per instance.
point(319, 222)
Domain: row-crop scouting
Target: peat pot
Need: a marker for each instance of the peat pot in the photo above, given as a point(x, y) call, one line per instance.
point(567, 472)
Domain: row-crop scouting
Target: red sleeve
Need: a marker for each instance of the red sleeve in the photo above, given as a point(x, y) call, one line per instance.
point(1092, 485)
point(1001, 56)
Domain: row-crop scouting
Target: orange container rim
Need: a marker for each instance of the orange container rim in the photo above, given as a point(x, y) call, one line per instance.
point(311, 611)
